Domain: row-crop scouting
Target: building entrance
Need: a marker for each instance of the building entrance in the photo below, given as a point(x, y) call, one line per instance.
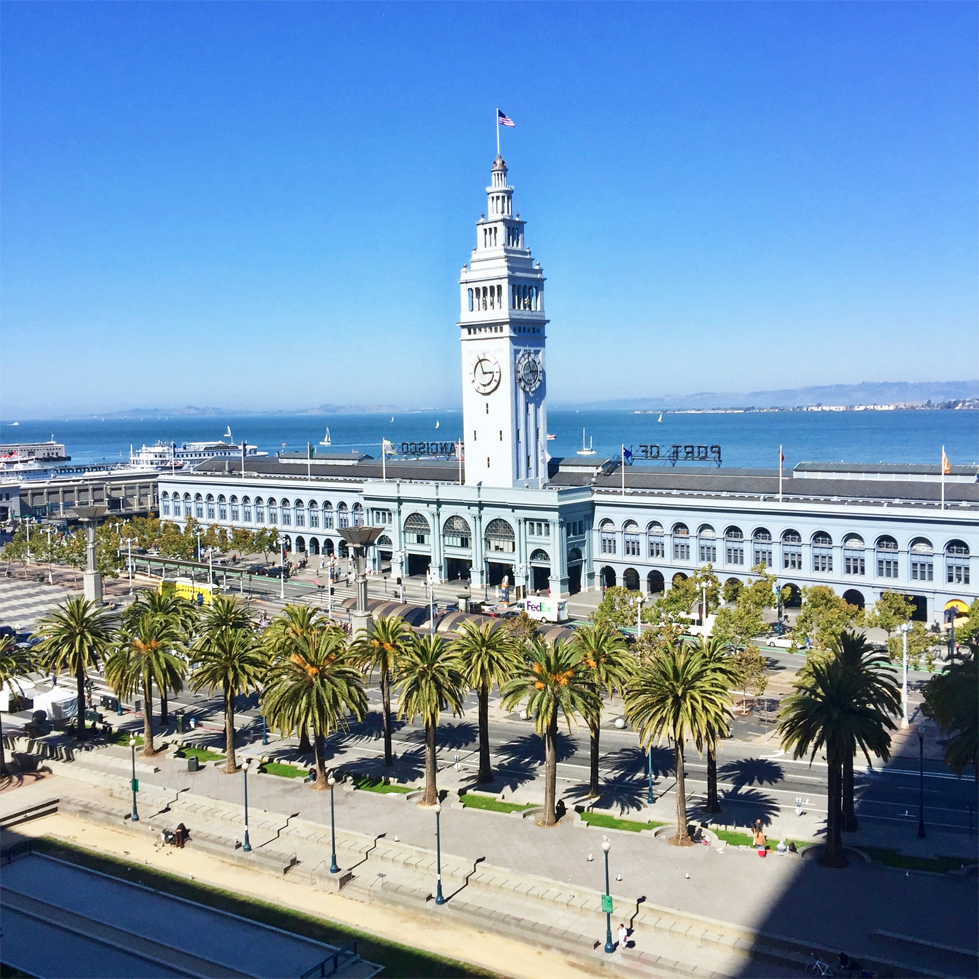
point(456, 568)
point(418, 564)
point(542, 579)
point(497, 571)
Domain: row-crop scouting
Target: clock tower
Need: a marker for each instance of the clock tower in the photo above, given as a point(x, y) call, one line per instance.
point(502, 331)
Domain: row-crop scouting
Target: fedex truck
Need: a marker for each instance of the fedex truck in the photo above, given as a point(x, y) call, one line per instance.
point(544, 609)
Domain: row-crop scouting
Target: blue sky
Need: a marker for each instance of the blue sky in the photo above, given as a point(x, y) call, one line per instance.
point(260, 206)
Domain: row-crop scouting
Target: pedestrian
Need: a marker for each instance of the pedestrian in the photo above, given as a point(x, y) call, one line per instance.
point(623, 935)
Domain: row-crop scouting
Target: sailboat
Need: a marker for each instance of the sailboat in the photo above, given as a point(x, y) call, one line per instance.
point(436, 424)
point(590, 451)
point(227, 434)
point(326, 439)
point(660, 417)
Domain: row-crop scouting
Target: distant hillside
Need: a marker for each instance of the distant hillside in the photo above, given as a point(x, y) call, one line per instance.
point(191, 410)
point(866, 393)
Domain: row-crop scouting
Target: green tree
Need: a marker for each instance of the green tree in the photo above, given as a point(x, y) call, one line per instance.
point(823, 617)
point(519, 628)
point(890, 611)
point(241, 540)
point(617, 609)
point(554, 682)
point(144, 530)
point(312, 688)
point(969, 632)
point(952, 701)
point(228, 656)
point(488, 655)
point(430, 680)
point(731, 589)
point(831, 710)
point(603, 652)
point(705, 577)
point(73, 637)
point(174, 542)
point(18, 547)
point(266, 540)
point(740, 624)
point(146, 653)
point(15, 664)
point(108, 551)
point(749, 671)
point(920, 641)
point(715, 653)
point(677, 694)
point(679, 600)
point(382, 649)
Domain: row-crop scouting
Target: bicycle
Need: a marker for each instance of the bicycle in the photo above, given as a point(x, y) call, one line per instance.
point(817, 967)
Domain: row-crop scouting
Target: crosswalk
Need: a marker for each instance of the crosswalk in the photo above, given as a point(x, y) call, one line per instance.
point(23, 603)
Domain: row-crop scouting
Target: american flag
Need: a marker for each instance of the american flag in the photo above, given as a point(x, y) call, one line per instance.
point(502, 119)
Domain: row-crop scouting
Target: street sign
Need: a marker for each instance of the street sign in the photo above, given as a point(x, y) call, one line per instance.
point(134, 784)
point(607, 904)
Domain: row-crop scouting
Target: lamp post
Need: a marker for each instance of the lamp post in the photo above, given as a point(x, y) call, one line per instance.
point(244, 771)
point(921, 780)
point(333, 828)
point(650, 798)
point(639, 601)
point(485, 579)
point(50, 560)
point(609, 947)
point(197, 532)
point(282, 571)
point(438, 855)
point(134, 785)
point(903, 629)
point(129, 546)
point(210, 566)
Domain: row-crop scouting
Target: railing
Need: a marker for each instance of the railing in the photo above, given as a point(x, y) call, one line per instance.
point(348, 953)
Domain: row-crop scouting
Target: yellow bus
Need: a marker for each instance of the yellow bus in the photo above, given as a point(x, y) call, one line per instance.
point(198, 592)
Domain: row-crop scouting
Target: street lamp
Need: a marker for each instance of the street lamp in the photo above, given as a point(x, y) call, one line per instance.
point(50, 559)
point(609, 947)
point(134, 785)
point(438, 855)
point(639, 601)
point(903, 629)
point(650, 798)
point(333, 828)
point(244, 771)
point(921, 780)
point(129, 544)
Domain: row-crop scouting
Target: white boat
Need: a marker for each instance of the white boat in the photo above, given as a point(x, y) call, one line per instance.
point(326, 439)
point(590, 451)
point(660, 417)
point(186, 455)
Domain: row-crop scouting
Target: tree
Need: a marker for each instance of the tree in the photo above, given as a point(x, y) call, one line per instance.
point(554, 682)
point(823, 617)
point(716, 655)
point(381, 649)
point(143, 656)
point(611, 663)
point(750, 674)
point(920, 640)
point(830, 711)
point(241, 540)
point(430, 680)
point(228, 657)
point(488, 655)
point(73, 637)
point(617, 609)
point(108, 556)
point(15, 664)
point(890, 611)
point(266, 540)
point(705, 577)
point(731, 589)
point(144, 530)
point(18, 547)
point(519, 628)
point(313, 687)
point(952, 701)
point(174, 543)
point(740, 624)
point(680, 694)
point(969, 633)
point(678, 601)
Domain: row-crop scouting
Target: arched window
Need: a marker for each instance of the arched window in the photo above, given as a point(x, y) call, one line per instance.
point(540, 557)
point(822, 551)
point(500, 536)
point(680, 530)
point(957, 563)
point(273, 511)
point(417, 529)
point(286, 509)
point(222, 508)
point(681, 542)
point(761, 548)
point(199, 506)
point(630, 539)
point(791, 537)
point(165, 503)
point(384, 541)
point(887, 560)
point(235, 509)
point(654, 536)
point(630, 579)
point(853, 555)
point(791, 550)
point(606, 533)
point(259, 510)
point(209, 501)
point(707, 549)
point(343, 517)
point(733, 545)
point(246, 509)
point(327, 515)
point(470, 300)
point(300, 513)
point(314, 515)
point(358, 514)
point(456, 533)
point(922, 560)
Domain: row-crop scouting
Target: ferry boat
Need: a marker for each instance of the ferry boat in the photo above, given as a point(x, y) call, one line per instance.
point(187, 455)
point(590, 450)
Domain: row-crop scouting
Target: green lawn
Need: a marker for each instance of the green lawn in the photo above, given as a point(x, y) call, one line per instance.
point(398, 960)
point(473, 801)
point(937, 865)
point(372, 783)
point(283, 770)
point(203, 754)
point(603, 821)
point(122, 738)
point(733, 838)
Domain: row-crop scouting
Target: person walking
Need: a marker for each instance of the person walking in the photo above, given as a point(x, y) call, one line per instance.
point(623, 936)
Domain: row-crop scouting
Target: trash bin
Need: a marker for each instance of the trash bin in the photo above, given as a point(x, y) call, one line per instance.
point(193, 764)
point(179, 718)
point(93, 717)
point(109, 703)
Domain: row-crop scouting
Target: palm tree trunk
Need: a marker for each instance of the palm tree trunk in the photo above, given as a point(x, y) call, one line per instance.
point(229, 731)
point(304, 746)
point(713, 802)
point(386, 715)
point(682, 837)
point(147, 718)
point(849, 821)
point(594, 732)
point(321, 782)
point(834, 856)
point(550, 772)
point(164, 716)
point(431, 788)
point(80, 704)
point(485, 773)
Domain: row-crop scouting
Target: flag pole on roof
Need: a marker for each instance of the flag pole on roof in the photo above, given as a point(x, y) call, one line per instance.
point(781, 459)
point(501, 120)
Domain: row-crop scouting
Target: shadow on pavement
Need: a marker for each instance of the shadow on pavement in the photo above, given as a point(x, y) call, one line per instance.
point(751, 771)
point(624, 796)
point(517, 761)
point(633, 761)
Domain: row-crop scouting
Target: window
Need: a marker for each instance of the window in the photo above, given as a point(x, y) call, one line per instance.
point(957, 563)
point(383, 518)
point(246, 509)
point(210, 507)
point(707, 550)
point(456, 533)
point(576, 528)
point(273, 512)
point(822, 552)
point(199, 506)
point(791, 551)
point(222, 509)
point(654, 534)
point(300, 514)
point(539, 528)
point(259, 510)
point(853, 555)
point(343, 517)
point(314, 515)
point(500, 536)
point(733, 545)
point(607, 536)
point(416, 529)
point(286, 513)
point(358, 514)
point(630, 538)
point(887, 563)
point(327, 515)
point(165, 504)
point(761, 548)
point(235, 510)
point(922, 560)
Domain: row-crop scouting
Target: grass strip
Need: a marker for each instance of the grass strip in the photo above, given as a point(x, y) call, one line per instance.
point(733, 838)
point(122, 738)
point(935, 865)
point(604, 821)
point(372, 783)
point(202, 754)
point(473, 801)
point(283, 771)
point(398, 960)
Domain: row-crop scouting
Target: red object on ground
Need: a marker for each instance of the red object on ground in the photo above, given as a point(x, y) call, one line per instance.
point(762, 853)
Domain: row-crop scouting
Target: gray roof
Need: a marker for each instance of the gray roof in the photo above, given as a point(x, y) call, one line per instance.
point(422, 470)
point(900, 468)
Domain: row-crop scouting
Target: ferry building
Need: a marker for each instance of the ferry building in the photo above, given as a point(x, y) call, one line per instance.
point(567, 525)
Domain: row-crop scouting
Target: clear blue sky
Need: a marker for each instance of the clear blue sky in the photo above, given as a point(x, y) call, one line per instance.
point(267, 205)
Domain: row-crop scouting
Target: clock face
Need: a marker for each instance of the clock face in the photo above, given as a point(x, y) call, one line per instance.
point(529, 372)
point(486, 373)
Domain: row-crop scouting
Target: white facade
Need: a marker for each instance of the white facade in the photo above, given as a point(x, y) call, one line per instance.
point(503, 364)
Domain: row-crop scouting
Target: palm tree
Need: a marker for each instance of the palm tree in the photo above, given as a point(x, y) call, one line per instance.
point(603, 650)
point(716, 652)
point(225, 612)
point(382, 648)
point(312, 687)
point(15, 664)
point(678, 693)
point(233, 661)
point(833, 710)
point(146, 654)
point(178, 611)
point(853, 650)
point(488, 655)
point(429, 681)
point(74, 637)
point(554, 681)
point(952, 700)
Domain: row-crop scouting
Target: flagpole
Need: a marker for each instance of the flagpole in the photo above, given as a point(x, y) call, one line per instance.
point(384, 460)
point(497, 130)
point(780, 457)
point(309, 460)
point(623, 470)
point(459, 454)
point(942, 467)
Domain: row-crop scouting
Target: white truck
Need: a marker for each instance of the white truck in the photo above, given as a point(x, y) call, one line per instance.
point(544, 609)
